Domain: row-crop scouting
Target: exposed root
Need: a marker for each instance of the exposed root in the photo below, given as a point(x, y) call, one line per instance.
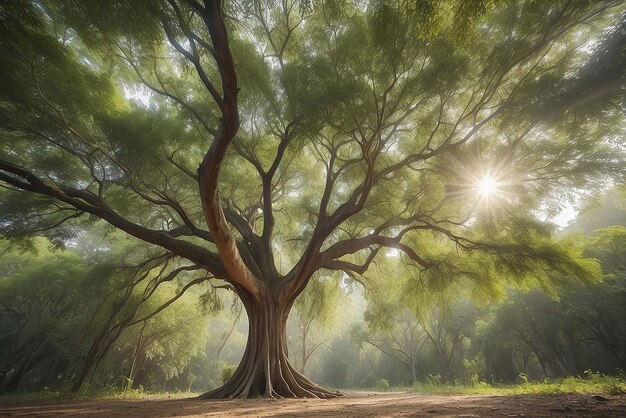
point(287, 383)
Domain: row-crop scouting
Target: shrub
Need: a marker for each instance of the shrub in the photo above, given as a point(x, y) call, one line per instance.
point(227, 372)
point(382, 384)
point(433, 380)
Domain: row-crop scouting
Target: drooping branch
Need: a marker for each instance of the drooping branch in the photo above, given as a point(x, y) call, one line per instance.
point(89, 202)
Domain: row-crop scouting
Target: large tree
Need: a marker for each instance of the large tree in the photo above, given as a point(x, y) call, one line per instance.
point(326, 133)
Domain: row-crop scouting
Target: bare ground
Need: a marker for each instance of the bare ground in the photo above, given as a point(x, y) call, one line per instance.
point(358, 404)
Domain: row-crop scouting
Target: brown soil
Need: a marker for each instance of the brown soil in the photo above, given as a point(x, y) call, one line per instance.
point(359, 404)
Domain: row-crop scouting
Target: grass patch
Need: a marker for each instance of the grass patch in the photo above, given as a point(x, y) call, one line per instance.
point(110, 393)
point(590, 383)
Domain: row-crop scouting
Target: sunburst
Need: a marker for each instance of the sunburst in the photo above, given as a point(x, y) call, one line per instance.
point(487, 187)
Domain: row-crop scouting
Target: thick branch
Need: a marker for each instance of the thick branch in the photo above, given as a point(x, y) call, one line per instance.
point(210, 168)
point(86, 201)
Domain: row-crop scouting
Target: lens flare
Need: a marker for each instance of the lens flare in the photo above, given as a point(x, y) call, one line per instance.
point(487, 186)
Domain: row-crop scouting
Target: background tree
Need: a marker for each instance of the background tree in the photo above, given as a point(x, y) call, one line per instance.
point(324, 132)
point(536, 335)
point(124, 280)
point(64, 311)
point(158, 349)
point(226, 330)
point(316, 307)
point(401, 339)
point(39, 307)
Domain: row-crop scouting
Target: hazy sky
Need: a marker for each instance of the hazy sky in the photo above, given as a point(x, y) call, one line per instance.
point(567, 214)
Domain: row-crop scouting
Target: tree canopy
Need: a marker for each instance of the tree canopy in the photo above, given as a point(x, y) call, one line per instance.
point(262, 142)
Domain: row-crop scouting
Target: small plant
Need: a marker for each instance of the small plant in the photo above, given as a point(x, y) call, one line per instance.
point(433, 380)
point(227, 372)
point(523, 377)
point(129, 384)
point(382, 384)
point(472, 370)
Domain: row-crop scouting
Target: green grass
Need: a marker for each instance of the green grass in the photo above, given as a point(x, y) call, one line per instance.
point(591, 383)
point(110, 393)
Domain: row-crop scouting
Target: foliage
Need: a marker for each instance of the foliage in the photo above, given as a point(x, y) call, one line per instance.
point(420, 79)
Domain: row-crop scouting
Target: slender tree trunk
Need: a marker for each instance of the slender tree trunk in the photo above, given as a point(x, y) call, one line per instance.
point(218, 353)
point(86, 373)
point(265, 369)
point(305, 328)
point(412, 366)
point(95, 354)
point(131, 371)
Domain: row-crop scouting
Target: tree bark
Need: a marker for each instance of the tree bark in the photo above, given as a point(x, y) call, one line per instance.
point(265, 369)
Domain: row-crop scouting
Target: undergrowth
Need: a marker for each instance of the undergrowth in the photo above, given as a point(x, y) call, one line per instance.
point(107, 393)
point(595, 383)
point(589, 383)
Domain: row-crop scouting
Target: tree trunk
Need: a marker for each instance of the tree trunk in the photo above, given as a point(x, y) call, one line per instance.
point(86, 373)
point(412, 366)
point(131, 371)
point(98, 349)
point(305, 329)
point(265, 369)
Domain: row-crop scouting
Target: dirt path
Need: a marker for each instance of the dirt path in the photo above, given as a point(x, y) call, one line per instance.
point(353, 405)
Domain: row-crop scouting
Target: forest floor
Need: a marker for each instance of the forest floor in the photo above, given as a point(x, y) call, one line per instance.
point(354, 404)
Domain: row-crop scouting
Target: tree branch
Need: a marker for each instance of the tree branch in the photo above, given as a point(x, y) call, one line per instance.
point(86, 201)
